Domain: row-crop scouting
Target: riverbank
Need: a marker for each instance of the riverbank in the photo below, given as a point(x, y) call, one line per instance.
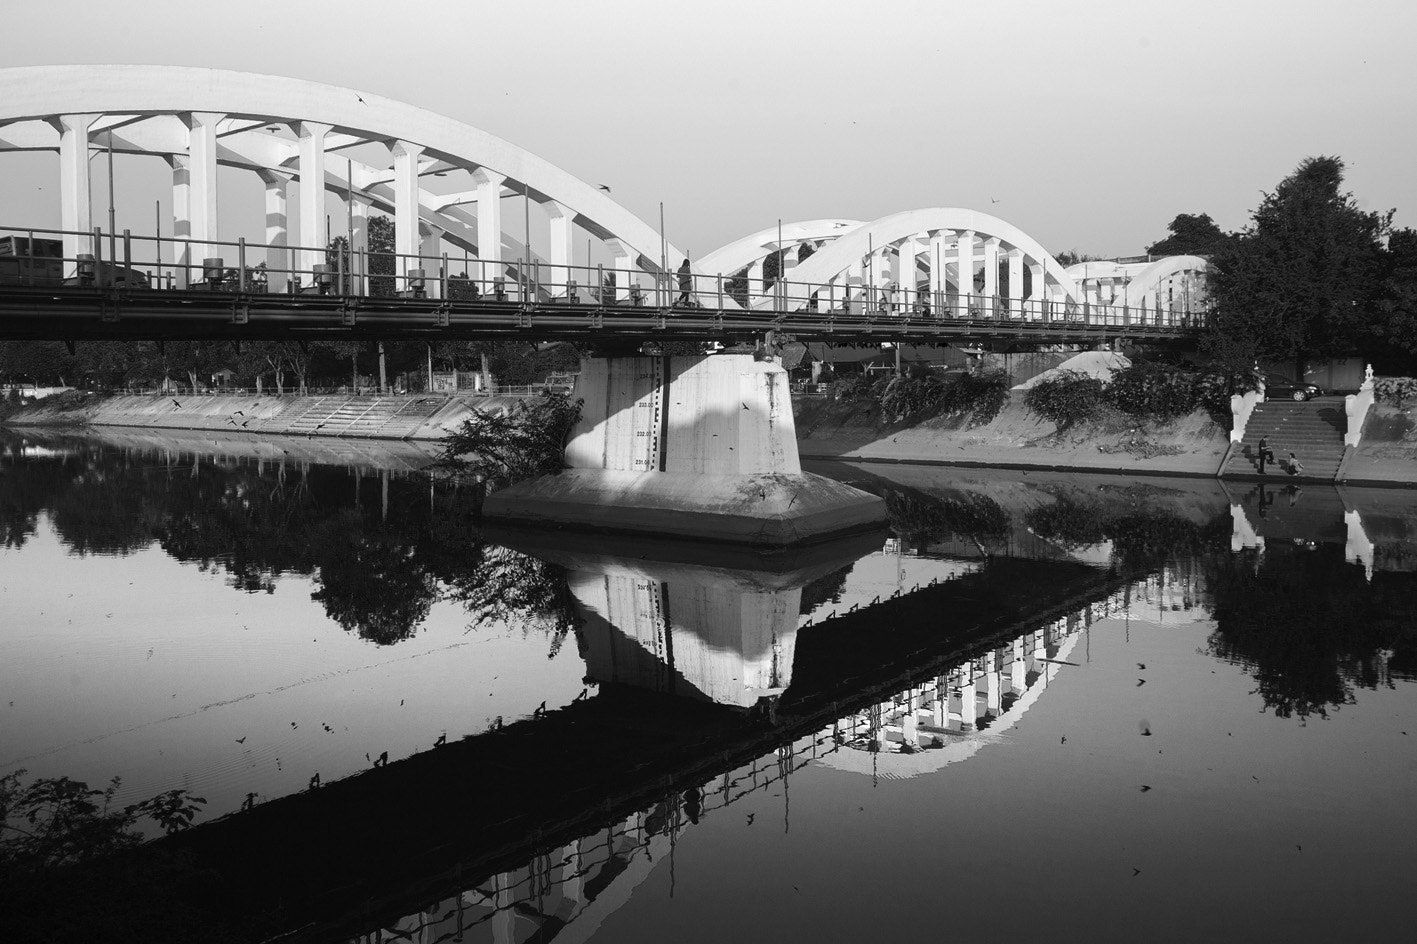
point(1193, 445)
point(1014, 439)
point(416, 418)
point(1387, 453)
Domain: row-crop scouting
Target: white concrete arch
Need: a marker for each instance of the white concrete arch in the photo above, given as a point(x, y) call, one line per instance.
point(752, 250)
point(914, 239)
point(200, 117)
point(1171, 282)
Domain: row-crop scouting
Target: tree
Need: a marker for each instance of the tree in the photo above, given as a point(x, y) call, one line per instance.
point(1071, 257)
point(1304, 279)
point(1397, 329)
point(1190, 235)
point(381, 257)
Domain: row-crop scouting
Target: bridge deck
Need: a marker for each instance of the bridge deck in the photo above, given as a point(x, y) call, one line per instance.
point(91, 313)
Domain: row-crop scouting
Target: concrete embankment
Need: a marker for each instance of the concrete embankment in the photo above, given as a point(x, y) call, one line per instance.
point(404, 417)
point(1387, 453)
point(1015, 438)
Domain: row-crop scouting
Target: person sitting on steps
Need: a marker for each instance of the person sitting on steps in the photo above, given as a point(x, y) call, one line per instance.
point(1265, 455)
point(1294, 467)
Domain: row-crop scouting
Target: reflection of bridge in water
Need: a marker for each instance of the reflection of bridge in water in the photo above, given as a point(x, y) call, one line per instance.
point(518, 810)
point(564, 892)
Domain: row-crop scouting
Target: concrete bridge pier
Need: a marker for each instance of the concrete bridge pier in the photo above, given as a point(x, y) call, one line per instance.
point(700, 447)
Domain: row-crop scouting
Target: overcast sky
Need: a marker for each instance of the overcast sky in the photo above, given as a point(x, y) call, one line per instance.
point(1088, 124)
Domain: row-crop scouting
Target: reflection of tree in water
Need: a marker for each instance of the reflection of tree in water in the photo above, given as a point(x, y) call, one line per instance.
point(103, 518)
point(372, 584)
point(1069, 522)
point(505, 586)
point(1143, 539)
point(922, 518)
point(1309, 627)
point(382, 552)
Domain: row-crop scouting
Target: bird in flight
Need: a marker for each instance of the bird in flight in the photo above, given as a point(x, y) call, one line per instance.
point(361, 99)
point(605, 188)
point(993, 200)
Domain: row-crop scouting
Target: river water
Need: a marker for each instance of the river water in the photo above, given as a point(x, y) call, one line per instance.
point(1038, 707)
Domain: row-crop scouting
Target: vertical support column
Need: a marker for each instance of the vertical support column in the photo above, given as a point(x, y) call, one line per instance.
point(74, 195)
point(359, 244)
point(201, 169)
point(561, 254)
point(181, 217)
point(964, 255)
point(277, 231)
point(312, 196)
point(792, 296)
point(623, 260)
point(1018, 668)
point(968, 699)
point(993, 684)
point(991, 274)
point(489, 218)
point(1015, 257)
point(430, 253)
point(757, 284)
point(406, 209)
point(904, 274)
point(939, 239)
point(851, 288)
point(880, 276)
point(1036, 294)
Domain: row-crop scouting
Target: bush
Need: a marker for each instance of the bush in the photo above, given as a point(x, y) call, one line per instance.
point(911, 395)
point(856, 387)
point(984, 392)
point(1150, 390)
point(922, 391)
point(1067, 398)
point(499, 448)
point(1397, 391)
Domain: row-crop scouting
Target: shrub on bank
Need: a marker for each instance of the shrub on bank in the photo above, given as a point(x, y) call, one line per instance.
point(496, 448)
point(1067, 398)
point(922, 392)
point(1396, 391)
point(1149, 390)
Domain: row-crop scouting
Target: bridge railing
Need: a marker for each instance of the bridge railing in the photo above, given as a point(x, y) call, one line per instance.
point(106, 260)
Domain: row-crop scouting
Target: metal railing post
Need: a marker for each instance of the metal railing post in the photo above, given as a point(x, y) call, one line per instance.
point(241, 264)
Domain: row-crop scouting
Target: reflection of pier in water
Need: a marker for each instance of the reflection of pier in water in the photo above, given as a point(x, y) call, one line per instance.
point(563, 893)
point(429, 825)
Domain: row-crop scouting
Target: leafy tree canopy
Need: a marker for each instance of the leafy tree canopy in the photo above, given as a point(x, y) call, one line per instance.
point(1305, 278)
point(1189, 235)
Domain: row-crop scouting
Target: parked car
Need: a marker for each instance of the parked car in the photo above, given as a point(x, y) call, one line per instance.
point(1277, 387)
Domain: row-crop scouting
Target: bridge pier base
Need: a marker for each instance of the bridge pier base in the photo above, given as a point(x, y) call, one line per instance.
point(698, 447)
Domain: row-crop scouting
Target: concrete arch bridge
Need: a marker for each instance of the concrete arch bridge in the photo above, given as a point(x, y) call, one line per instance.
point(489, 239)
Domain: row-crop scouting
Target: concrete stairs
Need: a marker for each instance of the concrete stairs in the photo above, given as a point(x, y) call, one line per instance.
point(360, 417)
point(1312, 430)
point(307, 416)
